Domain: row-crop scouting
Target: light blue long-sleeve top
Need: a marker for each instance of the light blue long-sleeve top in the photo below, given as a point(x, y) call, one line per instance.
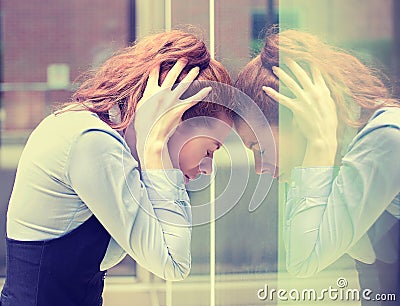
point(329, 209)
point(75, 165)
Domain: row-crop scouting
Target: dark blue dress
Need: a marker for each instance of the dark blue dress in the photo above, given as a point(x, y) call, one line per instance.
point(58, 272)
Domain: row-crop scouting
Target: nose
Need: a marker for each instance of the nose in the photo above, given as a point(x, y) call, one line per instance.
point(263, 166)
point(206, 166)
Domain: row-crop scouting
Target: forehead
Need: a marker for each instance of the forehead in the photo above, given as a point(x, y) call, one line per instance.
point(209, 142)
point(207, 127)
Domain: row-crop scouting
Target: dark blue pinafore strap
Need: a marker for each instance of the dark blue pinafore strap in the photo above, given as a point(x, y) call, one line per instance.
point(383, 276)
point(59, 272)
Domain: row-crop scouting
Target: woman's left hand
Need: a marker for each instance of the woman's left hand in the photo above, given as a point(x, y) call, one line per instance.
point(313, 109)
point(159, 112)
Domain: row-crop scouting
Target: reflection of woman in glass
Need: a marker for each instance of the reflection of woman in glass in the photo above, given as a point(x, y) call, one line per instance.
point(83, 197)
point(338, 134)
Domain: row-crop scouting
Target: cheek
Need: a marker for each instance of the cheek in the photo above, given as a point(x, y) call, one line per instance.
point(188, 157)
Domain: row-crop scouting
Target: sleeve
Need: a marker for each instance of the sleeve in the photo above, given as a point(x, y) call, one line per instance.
point(326, 214)
point(148, 216)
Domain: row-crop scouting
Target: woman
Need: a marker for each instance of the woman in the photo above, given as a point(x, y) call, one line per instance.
point(338, 134)
point(83, 197)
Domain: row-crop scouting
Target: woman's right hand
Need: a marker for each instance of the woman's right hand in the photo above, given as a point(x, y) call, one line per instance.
point(159, 112)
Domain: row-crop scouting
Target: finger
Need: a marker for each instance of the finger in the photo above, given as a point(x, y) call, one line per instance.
point(300, 74)
point(154, 75)
point(173, 74)
point(288, 81)
point(193, 100)
point(187, 81)
point(151, 85)
point(317, 77)
point(280, 98)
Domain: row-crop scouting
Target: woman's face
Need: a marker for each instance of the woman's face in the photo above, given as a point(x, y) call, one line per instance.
point(192, 146)
point(290, 146)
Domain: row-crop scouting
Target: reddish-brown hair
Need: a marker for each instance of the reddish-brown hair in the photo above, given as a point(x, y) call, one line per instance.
point(350, 82)
point(121, 80)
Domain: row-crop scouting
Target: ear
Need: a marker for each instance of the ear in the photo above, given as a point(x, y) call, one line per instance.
point(115, 114)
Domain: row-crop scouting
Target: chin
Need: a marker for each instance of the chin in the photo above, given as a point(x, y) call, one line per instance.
point(186, 178)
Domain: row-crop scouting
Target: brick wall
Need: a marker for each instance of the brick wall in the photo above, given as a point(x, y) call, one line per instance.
point(40, 33)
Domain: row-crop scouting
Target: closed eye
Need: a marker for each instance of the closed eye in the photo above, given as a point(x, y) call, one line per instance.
point(210, 153)
point(251, 145)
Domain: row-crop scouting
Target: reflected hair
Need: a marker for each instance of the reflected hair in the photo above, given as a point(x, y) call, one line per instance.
point(357, 89)
point(121, 80)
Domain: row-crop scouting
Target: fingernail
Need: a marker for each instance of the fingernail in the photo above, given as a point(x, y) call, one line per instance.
point(196, 69)
point(274, 69)
point(266, 89)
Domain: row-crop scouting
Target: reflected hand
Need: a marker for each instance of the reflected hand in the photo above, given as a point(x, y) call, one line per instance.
point(313, 109)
